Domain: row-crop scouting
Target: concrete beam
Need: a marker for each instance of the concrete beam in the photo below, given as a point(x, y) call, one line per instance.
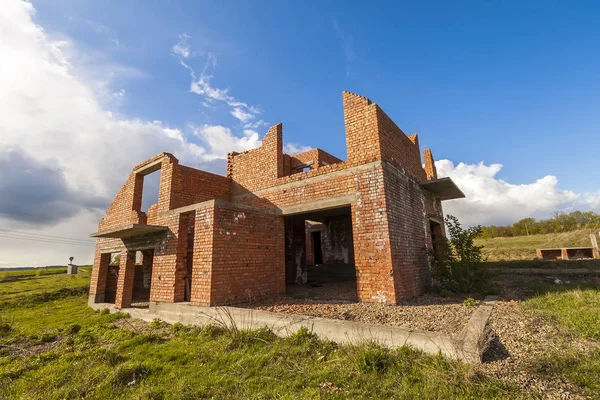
point(319, 205)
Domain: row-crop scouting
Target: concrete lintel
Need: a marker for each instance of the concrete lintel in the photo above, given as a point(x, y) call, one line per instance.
point(150, 167)
point(129, 231)
point(319, 205)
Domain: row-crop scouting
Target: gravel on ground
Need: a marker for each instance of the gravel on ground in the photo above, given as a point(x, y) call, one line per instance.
point(429, 312)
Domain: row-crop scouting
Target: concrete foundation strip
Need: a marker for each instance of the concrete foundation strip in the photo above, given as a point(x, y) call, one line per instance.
point(467, 346)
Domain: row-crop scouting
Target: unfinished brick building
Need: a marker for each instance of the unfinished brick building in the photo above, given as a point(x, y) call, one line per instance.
point(214, 240)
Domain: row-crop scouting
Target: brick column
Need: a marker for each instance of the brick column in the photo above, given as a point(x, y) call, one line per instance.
point(125, 282)
point(564, 254)
point(98, 280)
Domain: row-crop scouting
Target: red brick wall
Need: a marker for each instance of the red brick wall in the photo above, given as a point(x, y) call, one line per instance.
point(192, 186)
point(203, 255)
point(398, 149)
point(430, 169)
point(362, 136)
point(318, 157)
point(258, 168)
point(248, 255)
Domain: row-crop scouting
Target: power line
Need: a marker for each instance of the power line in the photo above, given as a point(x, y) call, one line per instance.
point(46, 236)
point(46, 240)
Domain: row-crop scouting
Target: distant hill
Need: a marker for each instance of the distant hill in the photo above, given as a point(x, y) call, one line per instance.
point(523, 247)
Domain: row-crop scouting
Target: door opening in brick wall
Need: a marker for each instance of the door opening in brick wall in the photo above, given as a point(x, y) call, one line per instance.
point(142, 278)
point(316, 247)
point(435, 230)
point(112, 276)
point(319, 255)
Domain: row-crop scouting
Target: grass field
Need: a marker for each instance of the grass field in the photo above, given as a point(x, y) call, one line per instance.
point(523, 247)
point(52, 346)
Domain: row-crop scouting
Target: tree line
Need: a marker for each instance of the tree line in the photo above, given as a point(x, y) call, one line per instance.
point(560, 222)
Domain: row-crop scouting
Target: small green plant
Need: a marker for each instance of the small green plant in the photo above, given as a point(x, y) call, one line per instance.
point(156, 323)
point(372, 358)
point(178, 327)
point(471, 302)
point(7, 325)
point(248, 337)
point(302, 335)
point(457, 263)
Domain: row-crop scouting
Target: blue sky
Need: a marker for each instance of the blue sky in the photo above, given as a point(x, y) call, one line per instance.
point(504, 82)
point(505, 93)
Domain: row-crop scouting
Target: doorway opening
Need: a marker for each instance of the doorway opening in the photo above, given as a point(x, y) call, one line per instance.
point(142, 277)
point(319, 254)
point(316, 245)
point(112, 276)
point(435, 229)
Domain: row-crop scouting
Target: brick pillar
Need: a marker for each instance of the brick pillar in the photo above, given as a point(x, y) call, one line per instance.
point(98, 280)
point(125, 282)
point(564, 254)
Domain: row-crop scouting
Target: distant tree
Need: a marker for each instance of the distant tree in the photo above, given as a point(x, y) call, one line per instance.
point(559, 222)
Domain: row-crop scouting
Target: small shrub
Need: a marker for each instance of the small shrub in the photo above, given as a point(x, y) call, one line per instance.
point(302, 335)
point(212, 331)
point(73, 329)
point(7, 325)
point(458, 264)
point(372, 358)
point(248, 337)
point(156, 323)
point(471, 302)
point(178, 327)
point(104, 311)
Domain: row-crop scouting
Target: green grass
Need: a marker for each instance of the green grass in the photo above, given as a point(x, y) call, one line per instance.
point(523, 247)
point(575, 309)
point(52, 346)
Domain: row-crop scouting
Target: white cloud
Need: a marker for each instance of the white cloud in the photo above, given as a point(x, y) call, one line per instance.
point(55, 119)
point(295, 148)
point(490, 200)
point(181, 48)
point(242, 115)
point(220, 141)
point(201, 85)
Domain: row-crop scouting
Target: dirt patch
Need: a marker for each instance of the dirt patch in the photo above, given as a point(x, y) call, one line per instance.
point(521, 338)
point(24, 348)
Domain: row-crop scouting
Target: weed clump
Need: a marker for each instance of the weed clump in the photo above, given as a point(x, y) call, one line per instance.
point(372, 358)
point(471, 302)
point(301, 336)
point(7, 325)
point(248, 337)
point(457, 263)
point(129, 375)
